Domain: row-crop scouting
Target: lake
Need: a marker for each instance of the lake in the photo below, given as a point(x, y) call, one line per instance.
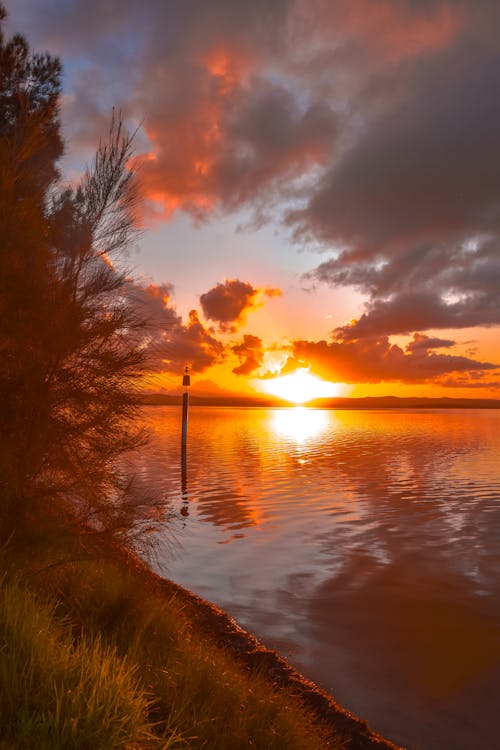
point(364, 546)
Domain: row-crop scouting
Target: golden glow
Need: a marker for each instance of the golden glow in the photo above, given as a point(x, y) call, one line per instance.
point(300, 387)
point(219, 64)
point(299, 423)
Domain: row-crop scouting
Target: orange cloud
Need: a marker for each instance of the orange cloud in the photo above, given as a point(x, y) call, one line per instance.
point(223, 134)
point(168, 342)
point(376, 360)
point(229, 302)
point(250, 352)
point(272, 292)
point(227, 67)
point(220, 133)
point(394, 30)
point(371, 126)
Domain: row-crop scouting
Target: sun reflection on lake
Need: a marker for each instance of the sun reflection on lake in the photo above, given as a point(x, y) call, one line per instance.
point(322, 531)
point(299, 424)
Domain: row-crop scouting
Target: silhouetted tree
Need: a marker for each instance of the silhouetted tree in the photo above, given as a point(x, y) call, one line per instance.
point(69, 344)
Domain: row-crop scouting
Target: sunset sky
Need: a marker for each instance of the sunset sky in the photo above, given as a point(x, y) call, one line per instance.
point(320, 182)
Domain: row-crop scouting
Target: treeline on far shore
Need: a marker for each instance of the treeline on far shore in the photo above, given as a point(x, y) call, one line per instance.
point(367, 402)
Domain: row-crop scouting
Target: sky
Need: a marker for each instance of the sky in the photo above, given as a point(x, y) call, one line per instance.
point(320, 183)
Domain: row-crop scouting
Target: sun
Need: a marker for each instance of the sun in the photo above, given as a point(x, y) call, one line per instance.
point(300, 386)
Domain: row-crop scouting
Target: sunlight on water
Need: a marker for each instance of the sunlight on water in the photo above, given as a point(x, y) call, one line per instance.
point(300, 424)
point(364, 546)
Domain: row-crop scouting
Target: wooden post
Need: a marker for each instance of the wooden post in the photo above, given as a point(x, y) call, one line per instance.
point(185, 406)
point(186, 382)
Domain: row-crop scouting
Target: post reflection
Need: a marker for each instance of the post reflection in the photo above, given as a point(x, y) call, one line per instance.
point(184, 492)
point(299, 423)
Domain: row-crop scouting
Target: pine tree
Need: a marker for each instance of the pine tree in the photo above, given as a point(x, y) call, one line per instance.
point(70, 346)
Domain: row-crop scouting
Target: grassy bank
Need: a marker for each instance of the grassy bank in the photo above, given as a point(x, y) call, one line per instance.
point(93, 655)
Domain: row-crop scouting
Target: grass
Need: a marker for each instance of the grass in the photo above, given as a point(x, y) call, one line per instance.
point(58, 693)
point(92, 655)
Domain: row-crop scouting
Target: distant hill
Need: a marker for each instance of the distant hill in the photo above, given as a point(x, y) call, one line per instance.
point(407, 402)
point(160, 399)
point(368, 402)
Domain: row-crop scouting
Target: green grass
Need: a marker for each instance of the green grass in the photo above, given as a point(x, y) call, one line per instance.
point(93, 656)
point(58, 693)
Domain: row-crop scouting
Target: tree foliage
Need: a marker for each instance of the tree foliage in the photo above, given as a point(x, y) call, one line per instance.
point(69, 344)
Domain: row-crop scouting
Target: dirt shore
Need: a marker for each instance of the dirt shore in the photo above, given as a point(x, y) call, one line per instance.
point(356, 734)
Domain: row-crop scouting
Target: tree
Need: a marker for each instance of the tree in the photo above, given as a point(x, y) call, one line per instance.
point(70, 349)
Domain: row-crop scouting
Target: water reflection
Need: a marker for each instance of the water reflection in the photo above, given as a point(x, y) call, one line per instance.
point(300, 424)
point(184, 493)
point(230, 510)
point(364, 545)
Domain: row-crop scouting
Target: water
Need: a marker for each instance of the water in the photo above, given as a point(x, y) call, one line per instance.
point(363, 545)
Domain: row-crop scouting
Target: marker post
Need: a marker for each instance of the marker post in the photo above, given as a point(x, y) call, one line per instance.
point(186, 382)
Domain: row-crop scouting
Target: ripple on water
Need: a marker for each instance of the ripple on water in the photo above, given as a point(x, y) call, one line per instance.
point(352, 536)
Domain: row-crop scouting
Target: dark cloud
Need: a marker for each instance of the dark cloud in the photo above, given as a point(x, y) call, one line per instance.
point(374, 360)
point(228, 303)
point(189, 344)
point(235, 144)
point(371, 125)
point(421, 341)
point(423, 171)
point(413, 206)
point(153, 304)
point(421, 310)
point(250, 352)
point(224, 128)
point(169, 343)
point(425, 287)
point(475, 380)
point(229, 92)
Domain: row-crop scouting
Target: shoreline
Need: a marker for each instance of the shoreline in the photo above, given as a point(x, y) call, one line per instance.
point(246, 649)
point(141, 619)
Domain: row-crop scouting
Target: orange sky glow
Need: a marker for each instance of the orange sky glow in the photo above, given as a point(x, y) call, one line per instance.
point(318, 190)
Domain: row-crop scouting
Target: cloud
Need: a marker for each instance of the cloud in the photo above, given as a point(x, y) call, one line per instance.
point(474, 380)
point(423, 342)
point(250, 352)
point(412, 207)
point(239, 101)
point(224, 128)
point(153, 304)
point(227, 303)
point(374, 360)
point(272, 291)
point(370, 127)
point(236, 143)
point(229, 96)
point(189, 344)
point(231, 117)
point(422, 168)
point(394, 31)
point(421, 310)
point(169, 343)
